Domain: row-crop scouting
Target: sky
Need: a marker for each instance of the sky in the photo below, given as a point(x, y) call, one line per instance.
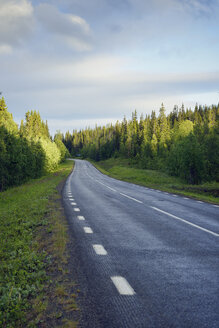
point(86, 62)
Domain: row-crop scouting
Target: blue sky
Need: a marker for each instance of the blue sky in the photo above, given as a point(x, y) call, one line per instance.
point(83, 62)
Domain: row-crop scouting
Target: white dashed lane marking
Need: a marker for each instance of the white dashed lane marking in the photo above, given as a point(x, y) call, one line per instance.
point(185, 221)
point(122, 285)
point(76, 209)
point(100, 250)
point(105, 185)
point(81, 218)
point(73, 203)
point(88, 230)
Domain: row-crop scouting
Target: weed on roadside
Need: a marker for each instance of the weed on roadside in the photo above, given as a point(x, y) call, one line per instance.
point(33, 254)
point(123, 169)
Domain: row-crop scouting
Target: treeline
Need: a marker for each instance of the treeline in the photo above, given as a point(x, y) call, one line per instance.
point(27, 151)
point(184, 143)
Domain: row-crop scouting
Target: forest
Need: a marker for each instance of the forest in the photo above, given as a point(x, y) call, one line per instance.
point(28, 151)
point(184, 143)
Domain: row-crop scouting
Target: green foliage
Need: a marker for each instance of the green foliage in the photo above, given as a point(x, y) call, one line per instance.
point(36, 131)
point(183, 129)
point(23, 212)
point(52, 154)
point(186, 160)
point(211, 149)
point(6, 119)
point(64, 153)
point(27, 153)
point(20, 159)
point(161, 142)
point(34, 126)
point(126, 170)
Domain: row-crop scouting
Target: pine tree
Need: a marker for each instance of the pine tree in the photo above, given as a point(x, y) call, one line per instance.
point(164, 128)
point(6, 118)
point(211, 118)
point(3, 106)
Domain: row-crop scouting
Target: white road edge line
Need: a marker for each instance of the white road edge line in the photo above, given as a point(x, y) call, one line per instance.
point(215, 205)
point(122, 285)
point(88, 230)
point(136, 200)
point(180, 219)
point(76, 209)
point(99, 249)
point(81, 218)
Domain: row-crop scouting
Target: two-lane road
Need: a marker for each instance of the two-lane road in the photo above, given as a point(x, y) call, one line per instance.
point(148, 258)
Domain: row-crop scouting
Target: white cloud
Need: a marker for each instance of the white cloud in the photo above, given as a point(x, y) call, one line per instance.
point(5, 49)
point(199, 7)
point(76, 20)
point(109, 75)
point(16, 22)
point(71, 29)
point(61, 23)
point(143, 53)
point(75, 43)
point(19, 20)
point(15, 8)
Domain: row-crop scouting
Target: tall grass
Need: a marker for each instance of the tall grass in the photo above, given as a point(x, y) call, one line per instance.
point(27, 218)
point(125, 170)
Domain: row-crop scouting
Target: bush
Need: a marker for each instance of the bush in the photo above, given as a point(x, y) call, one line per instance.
point(52, 154)
point(20, 159)
point(186, 160)
point(63, 150)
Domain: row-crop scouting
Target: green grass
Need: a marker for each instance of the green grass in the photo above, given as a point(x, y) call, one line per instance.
point(123, 169)
point(33, 238)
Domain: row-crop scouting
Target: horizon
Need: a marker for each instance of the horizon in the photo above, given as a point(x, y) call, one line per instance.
point(113, 122)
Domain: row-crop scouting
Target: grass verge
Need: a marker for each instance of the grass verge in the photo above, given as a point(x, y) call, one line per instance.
point(35, 285)
point(124, 170)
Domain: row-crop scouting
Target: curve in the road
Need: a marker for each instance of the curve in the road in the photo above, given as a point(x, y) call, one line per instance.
point(168, 267)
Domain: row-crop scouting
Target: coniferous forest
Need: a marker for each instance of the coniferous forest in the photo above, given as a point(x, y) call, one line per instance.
point(26, 152)
point(184, 143)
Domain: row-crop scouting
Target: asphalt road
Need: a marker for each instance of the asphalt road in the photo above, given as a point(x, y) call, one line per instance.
point(147, 258)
